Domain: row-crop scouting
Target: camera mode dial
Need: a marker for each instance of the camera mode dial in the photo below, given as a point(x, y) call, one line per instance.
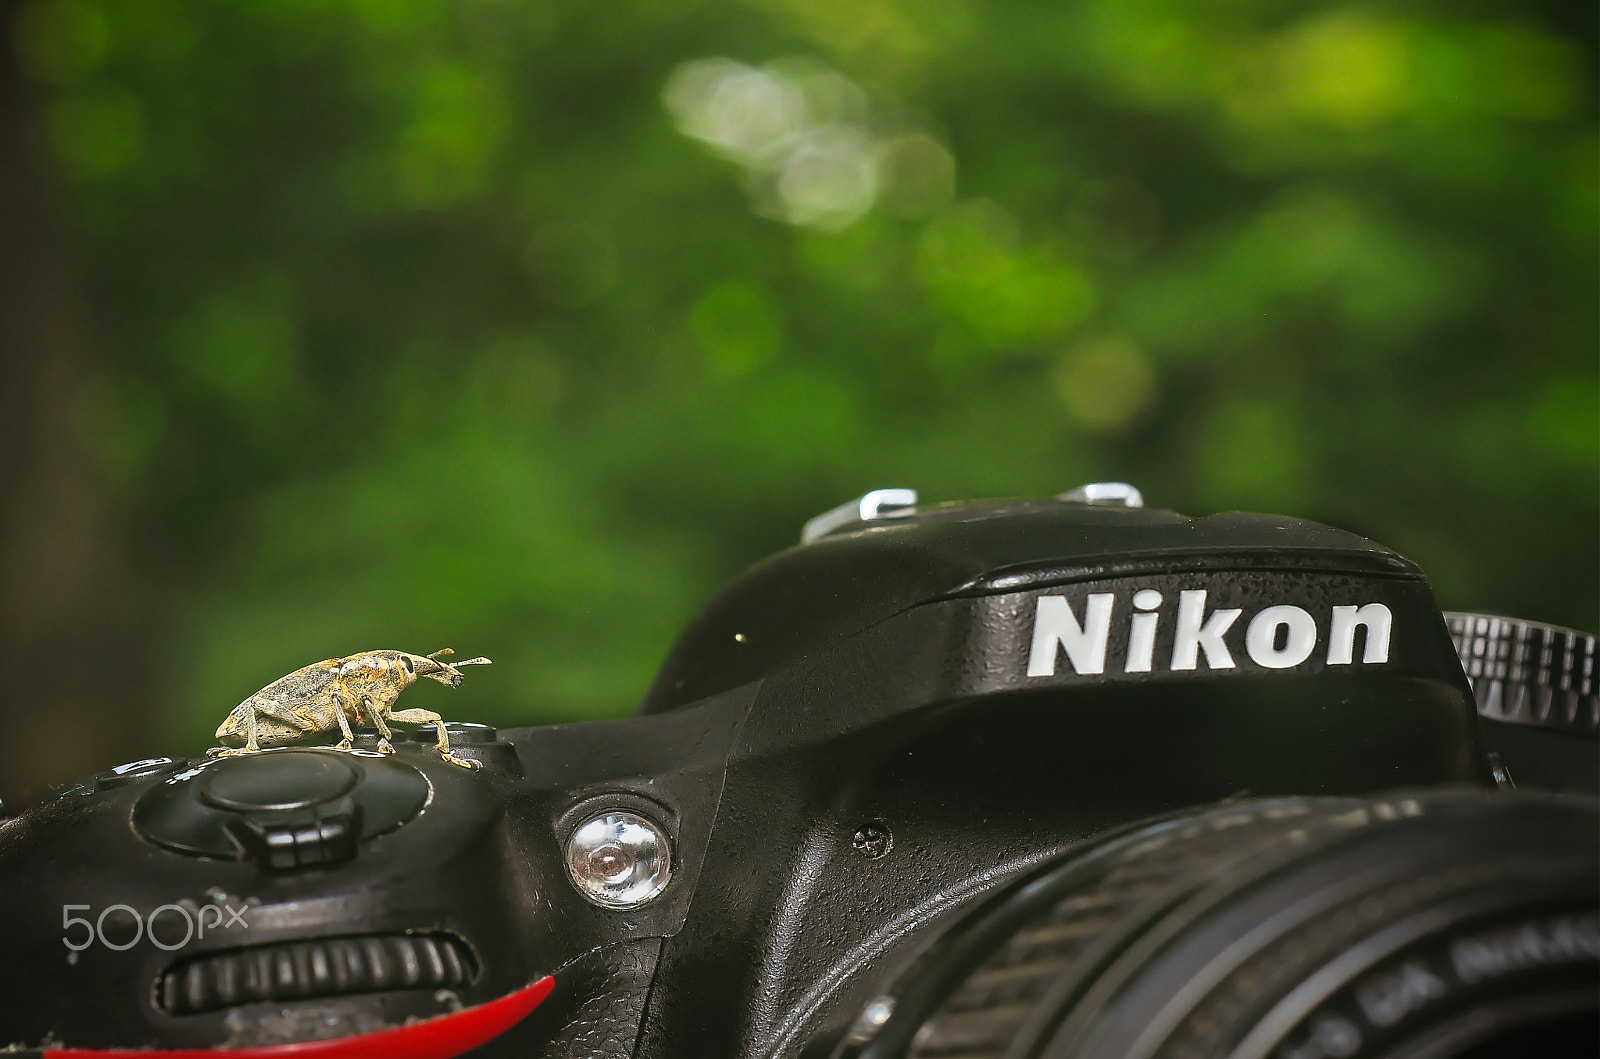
point(1529, 673)
point(285, 809)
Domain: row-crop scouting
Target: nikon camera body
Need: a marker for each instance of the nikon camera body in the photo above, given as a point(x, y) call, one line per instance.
point(1057, 778)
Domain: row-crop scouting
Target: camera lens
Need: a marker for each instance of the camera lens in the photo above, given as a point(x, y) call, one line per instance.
point(619, 859)
point(1441, 924)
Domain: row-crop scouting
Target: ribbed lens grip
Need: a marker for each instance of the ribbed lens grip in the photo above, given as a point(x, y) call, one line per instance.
point(1524, 672)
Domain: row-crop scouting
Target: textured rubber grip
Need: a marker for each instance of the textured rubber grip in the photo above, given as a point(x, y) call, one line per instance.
point(1524, 672)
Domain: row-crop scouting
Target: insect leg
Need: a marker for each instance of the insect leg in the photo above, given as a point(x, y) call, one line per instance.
point(339, 706)
point(384, 746)
point(250, 745)
point(443, 746)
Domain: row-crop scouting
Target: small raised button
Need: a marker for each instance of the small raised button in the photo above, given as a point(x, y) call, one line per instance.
point(869, 507)
point(144, 768)
point(462, 733)
point(1115, 493)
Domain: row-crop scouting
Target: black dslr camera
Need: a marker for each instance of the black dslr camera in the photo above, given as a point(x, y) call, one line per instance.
point(1054, 778)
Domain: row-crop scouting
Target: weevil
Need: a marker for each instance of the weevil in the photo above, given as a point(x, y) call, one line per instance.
point(359, 690)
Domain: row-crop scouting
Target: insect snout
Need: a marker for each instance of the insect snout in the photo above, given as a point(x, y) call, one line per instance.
point(435, 668)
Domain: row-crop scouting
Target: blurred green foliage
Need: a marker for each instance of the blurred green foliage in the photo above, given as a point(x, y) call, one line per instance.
point(520, 325)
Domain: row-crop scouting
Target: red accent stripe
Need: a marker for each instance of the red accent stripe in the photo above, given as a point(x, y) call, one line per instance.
point(442, 1037)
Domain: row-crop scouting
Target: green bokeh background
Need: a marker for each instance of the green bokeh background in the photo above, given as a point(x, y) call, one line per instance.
point(428, 322)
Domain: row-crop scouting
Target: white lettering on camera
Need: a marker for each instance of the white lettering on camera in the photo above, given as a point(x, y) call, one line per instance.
point(190, 915)
point(1277, 637)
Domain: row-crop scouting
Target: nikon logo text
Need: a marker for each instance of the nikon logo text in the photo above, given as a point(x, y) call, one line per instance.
point(1280, 637)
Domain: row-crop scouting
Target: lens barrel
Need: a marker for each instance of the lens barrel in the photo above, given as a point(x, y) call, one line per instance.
point(1456, 923)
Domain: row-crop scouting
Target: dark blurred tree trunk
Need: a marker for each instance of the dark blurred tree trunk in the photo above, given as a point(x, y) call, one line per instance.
point(74, 693)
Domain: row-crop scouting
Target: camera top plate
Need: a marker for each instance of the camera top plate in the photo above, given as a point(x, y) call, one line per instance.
point(807, 599)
